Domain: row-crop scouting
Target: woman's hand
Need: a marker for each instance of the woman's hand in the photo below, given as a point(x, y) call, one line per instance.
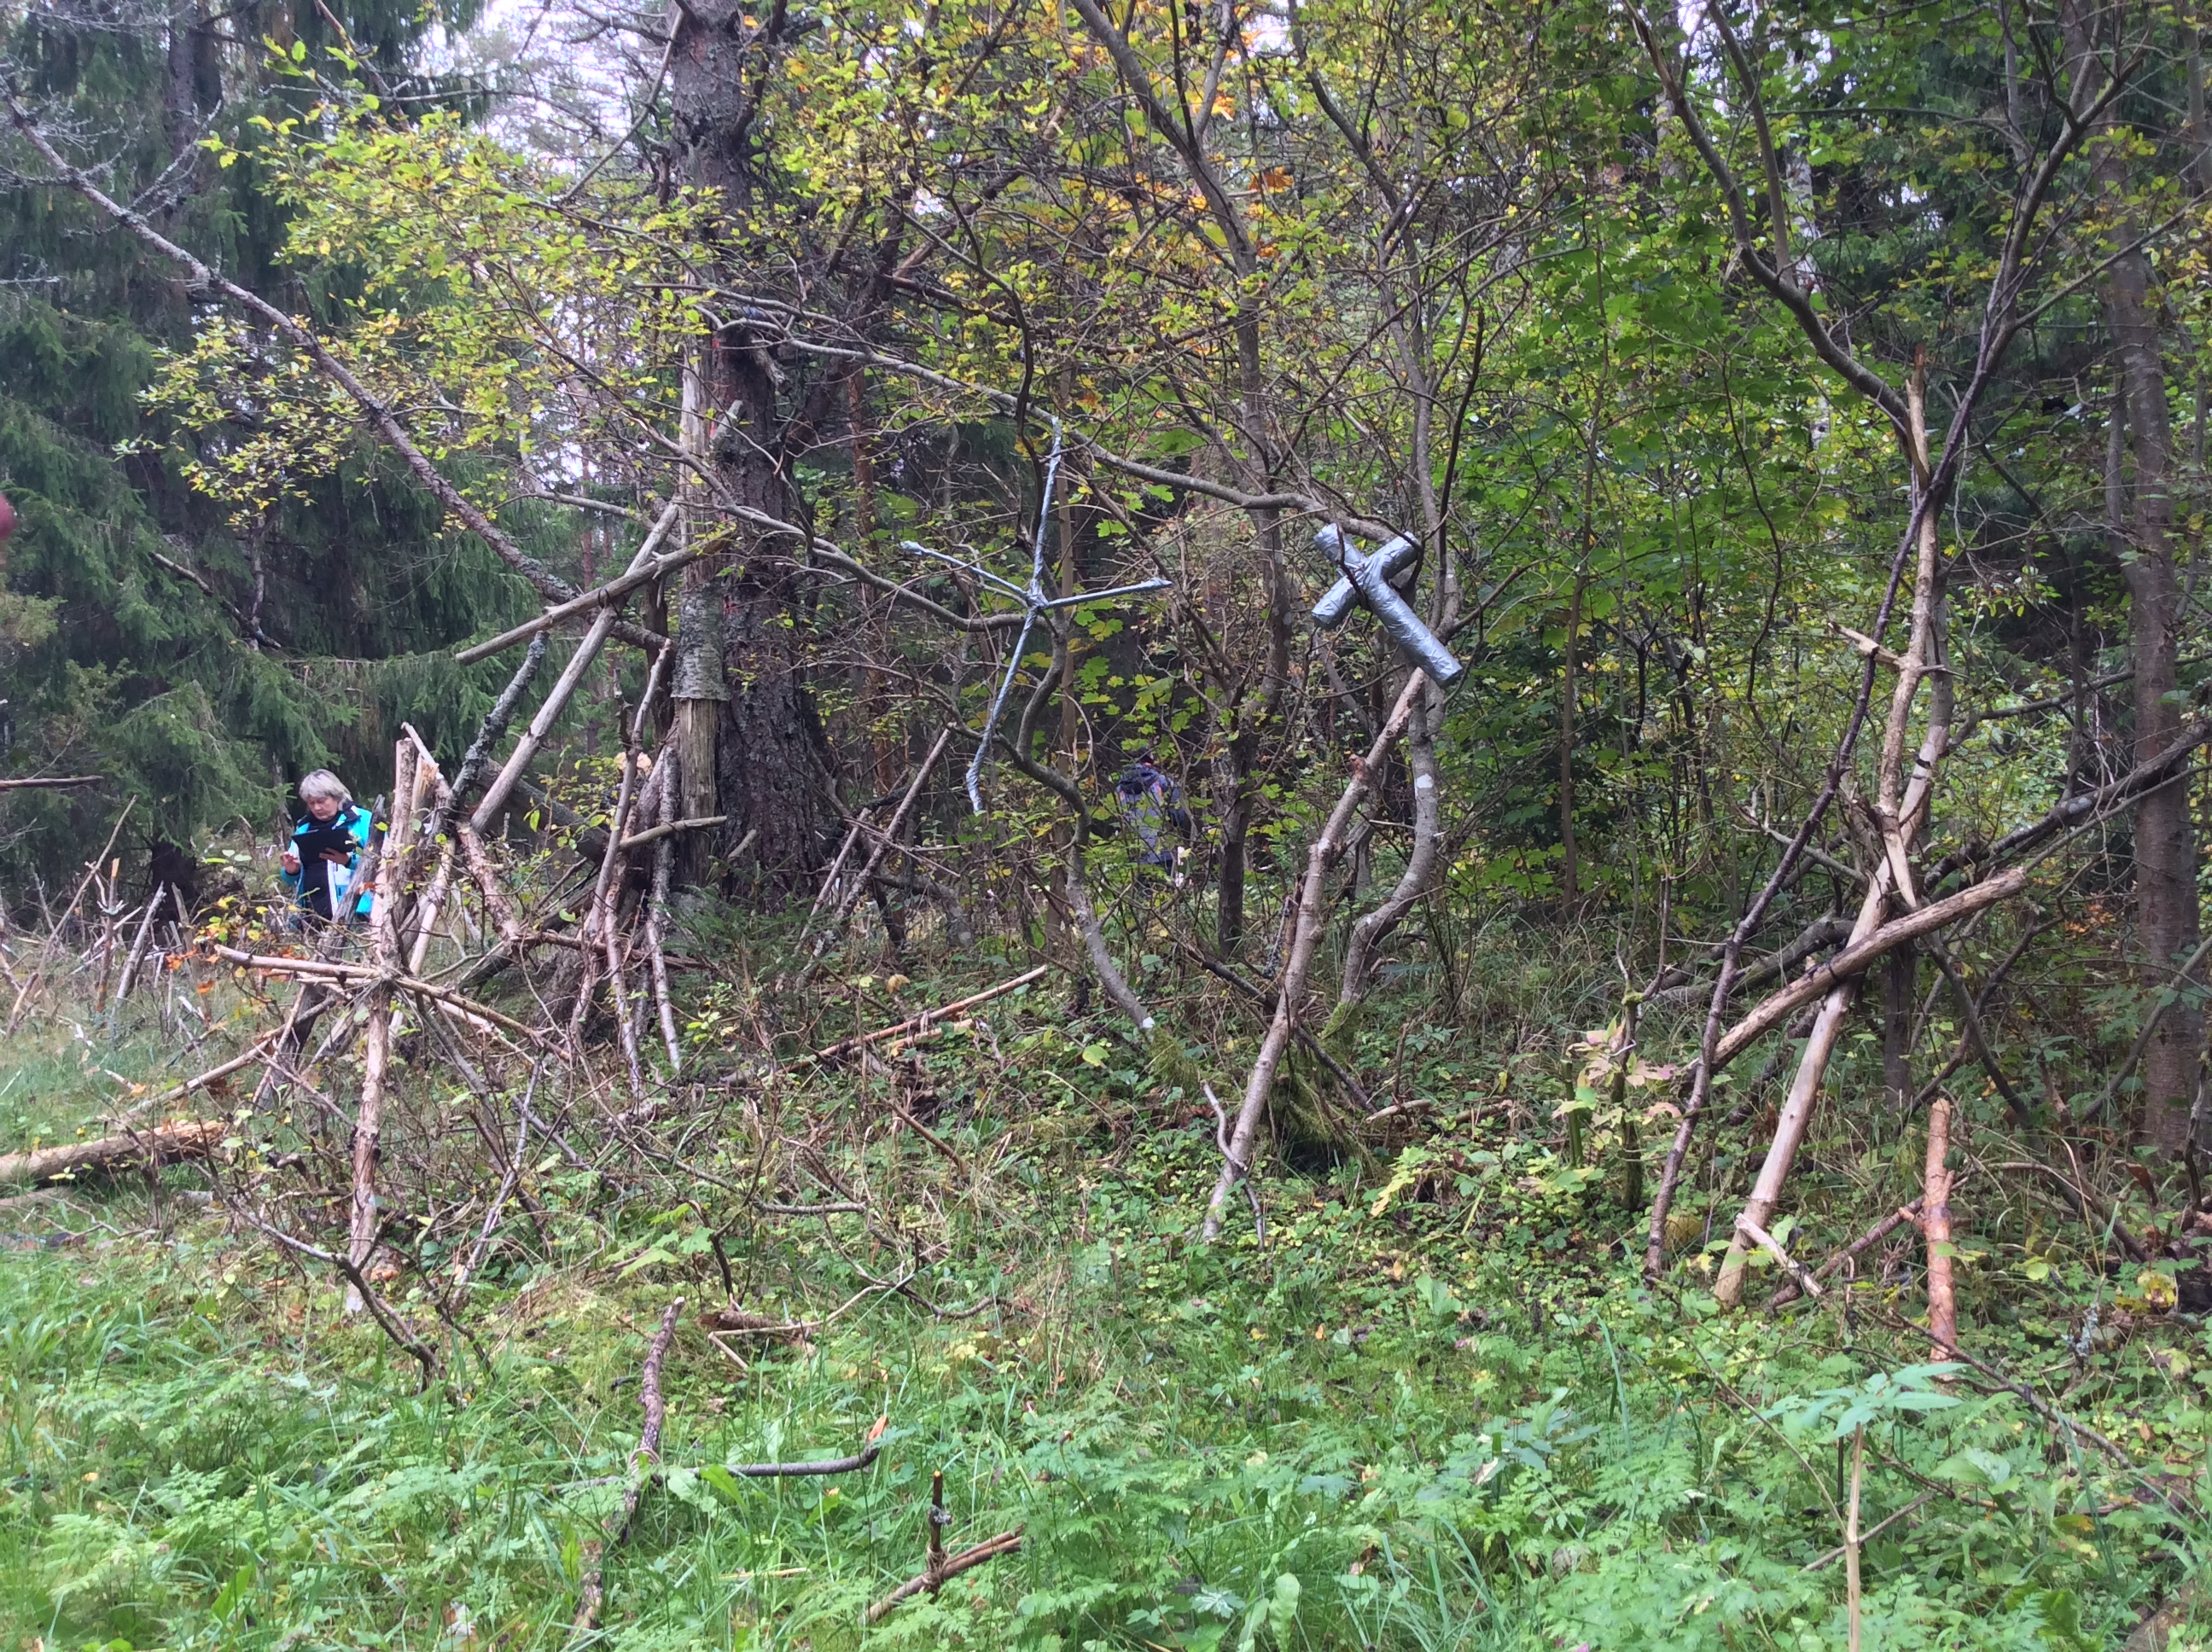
point(291, 863)
point(336, 858)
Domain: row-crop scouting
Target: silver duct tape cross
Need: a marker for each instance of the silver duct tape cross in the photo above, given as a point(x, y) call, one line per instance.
point(1035, 606)
point(1369, 581)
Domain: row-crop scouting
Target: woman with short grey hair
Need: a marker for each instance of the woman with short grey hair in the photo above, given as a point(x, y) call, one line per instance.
point(326, 847)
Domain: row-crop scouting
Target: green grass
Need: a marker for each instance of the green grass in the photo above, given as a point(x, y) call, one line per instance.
point(1436, 1411)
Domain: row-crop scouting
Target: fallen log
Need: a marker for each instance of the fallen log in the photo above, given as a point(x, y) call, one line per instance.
point(167, 1144)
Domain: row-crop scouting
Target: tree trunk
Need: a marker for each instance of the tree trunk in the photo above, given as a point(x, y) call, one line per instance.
point(2166, 917)
point(765, 743)
point(1899, 977)
point(1570, 875)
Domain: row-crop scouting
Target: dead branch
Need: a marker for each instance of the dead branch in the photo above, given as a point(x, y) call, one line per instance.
point(1311, 1045)
point(1855, 959)
point(1767, 1243)
point(335, 970)
point(356, 1284)
point(58, 783)
point(1873, 1235)
point(927, 1017)
point(860, 1460)
point(644, 1465)
point(608, 595)
point(655, 833)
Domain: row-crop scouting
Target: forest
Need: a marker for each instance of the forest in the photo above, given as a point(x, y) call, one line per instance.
point(1226, 825)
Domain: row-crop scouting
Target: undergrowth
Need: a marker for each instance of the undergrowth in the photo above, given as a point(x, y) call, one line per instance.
point(1435, 1409)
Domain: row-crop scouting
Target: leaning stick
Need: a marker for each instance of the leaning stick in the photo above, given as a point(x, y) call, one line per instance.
point(376, 1048)
point(357, 1284)
point(1327, 849)
point(557, 702)
point(492, 730)
point(1863, 951)
point(890, 833)
point(641, 572)
point(913, 1024)
point(837, 866)
point(656, 924)
point(1903, 810)
point(137, 953)
point(644, 1465)
point(859, 886)
point(506, 916)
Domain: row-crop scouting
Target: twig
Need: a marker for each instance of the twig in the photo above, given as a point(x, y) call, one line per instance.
point(1766, 1242)
point(59, 782)
point(1873, 1235)
point(644, 1464)
point(940, 1571)
point(1871, 1532)
point(845, 1047)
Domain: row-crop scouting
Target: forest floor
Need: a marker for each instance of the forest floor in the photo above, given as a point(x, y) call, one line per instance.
point(1437, 1408)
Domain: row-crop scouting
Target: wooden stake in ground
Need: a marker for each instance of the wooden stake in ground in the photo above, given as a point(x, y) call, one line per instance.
point(1936, 1228)
point(644, 1464)
point(1312, 899)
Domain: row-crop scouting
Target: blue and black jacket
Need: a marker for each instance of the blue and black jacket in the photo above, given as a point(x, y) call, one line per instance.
point(311, 886)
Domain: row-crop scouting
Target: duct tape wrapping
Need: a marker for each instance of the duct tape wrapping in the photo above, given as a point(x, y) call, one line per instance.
point(1369, 582)
point(700, 631)
point(1400, 560)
